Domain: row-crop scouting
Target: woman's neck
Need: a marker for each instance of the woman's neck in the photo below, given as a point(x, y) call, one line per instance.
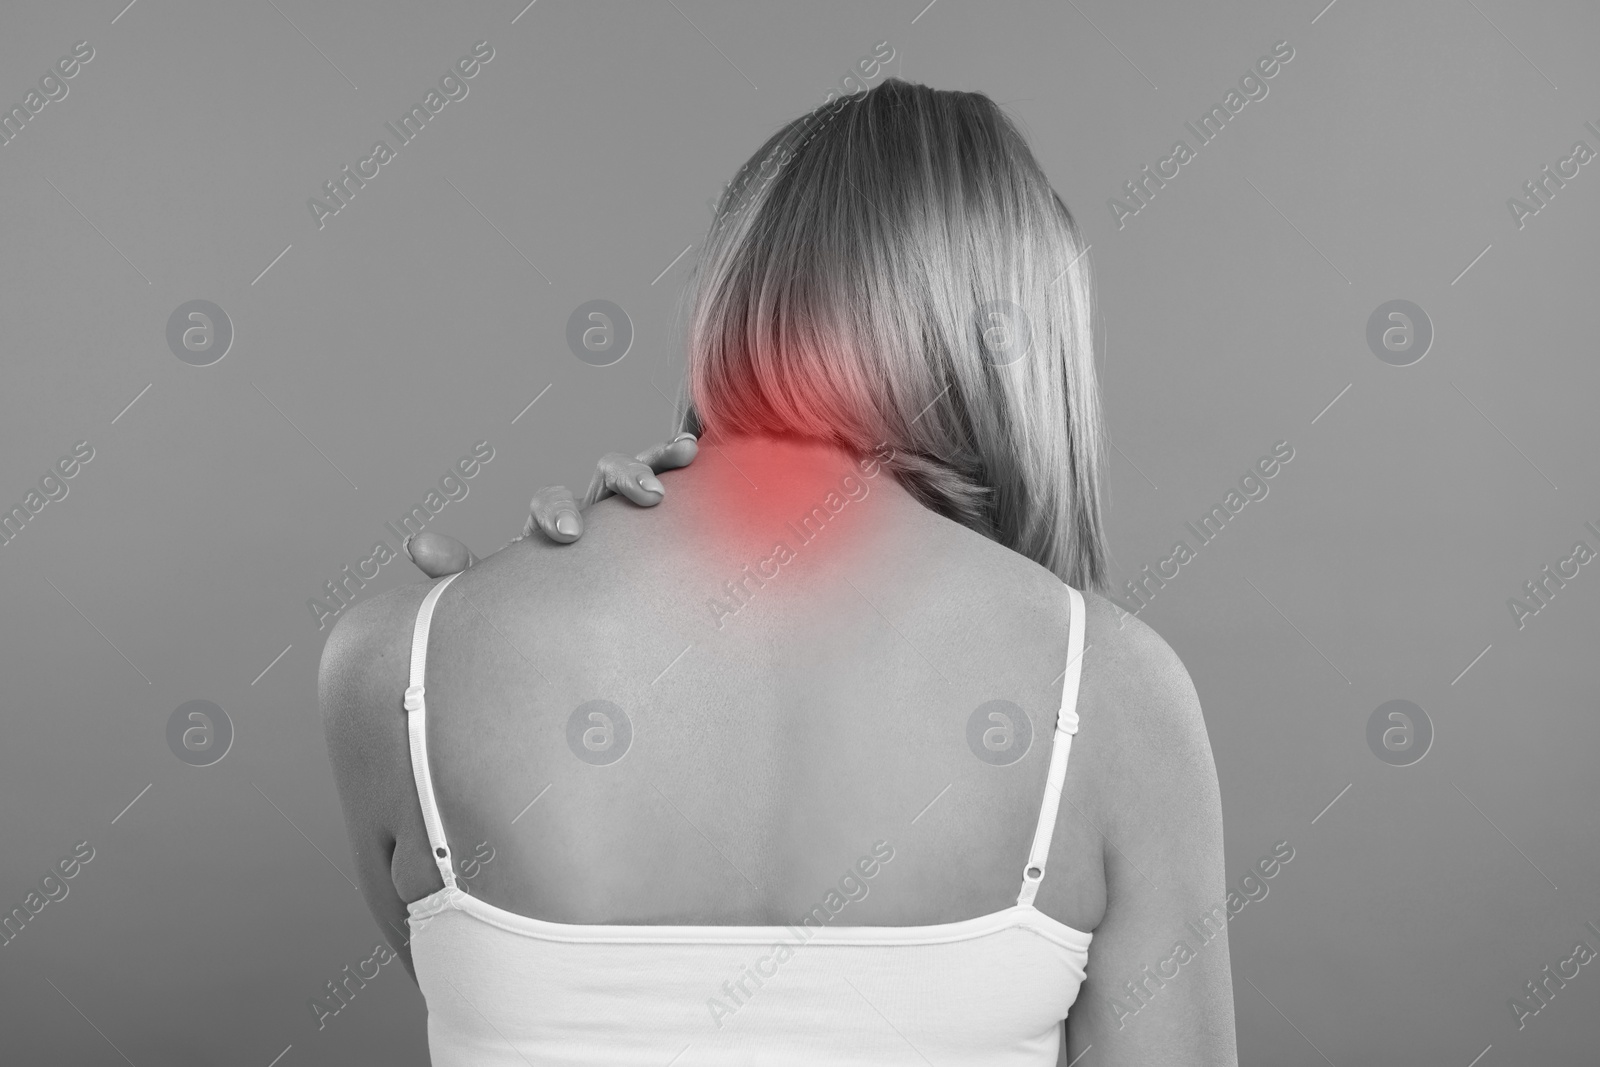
point(782, 456)
point(766, 487)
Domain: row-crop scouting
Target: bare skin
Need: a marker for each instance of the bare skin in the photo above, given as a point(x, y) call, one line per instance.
point(773, 745)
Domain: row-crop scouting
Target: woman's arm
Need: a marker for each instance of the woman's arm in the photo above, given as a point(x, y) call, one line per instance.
point(368, 653)
point(363, 670)
point(1159, 991)
point(555, 513)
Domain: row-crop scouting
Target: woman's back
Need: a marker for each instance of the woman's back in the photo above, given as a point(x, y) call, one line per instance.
point(710, 731)
point(669, 758)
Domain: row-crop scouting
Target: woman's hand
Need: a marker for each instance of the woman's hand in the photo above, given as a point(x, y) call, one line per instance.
point(555, 513)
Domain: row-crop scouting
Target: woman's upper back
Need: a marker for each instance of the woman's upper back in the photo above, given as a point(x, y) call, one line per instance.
point(704, 712)
point(708, 715)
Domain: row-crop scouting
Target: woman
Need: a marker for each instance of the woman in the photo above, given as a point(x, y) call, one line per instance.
point(779, 771)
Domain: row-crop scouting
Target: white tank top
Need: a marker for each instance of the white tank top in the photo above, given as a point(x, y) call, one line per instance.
point(508, 990)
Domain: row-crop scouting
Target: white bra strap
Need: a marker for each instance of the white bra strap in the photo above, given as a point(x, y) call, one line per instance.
point(1060, 748)
point(417, 727)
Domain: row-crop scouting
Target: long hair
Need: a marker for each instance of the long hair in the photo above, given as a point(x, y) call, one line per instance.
point(895, 269)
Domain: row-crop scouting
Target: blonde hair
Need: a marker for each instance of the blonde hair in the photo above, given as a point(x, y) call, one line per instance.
point(895, 269)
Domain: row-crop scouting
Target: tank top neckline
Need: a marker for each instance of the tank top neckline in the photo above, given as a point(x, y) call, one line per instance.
point(1022, 914)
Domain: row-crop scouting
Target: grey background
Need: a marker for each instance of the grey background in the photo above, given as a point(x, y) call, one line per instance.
point(428, 313)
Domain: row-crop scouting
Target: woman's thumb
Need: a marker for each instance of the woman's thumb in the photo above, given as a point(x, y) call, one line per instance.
point(437, 554)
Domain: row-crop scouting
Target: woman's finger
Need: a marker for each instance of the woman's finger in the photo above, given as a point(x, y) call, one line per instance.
point(437, 554)
point(630, 477)
point(670, 455)
point(635, 477)
point(553, 512)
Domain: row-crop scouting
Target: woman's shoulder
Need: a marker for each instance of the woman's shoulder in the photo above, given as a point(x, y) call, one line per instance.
point(368, 634)
point(1149, 672)
point(1134, 681)
point(1141, 725)
point(365, 667)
